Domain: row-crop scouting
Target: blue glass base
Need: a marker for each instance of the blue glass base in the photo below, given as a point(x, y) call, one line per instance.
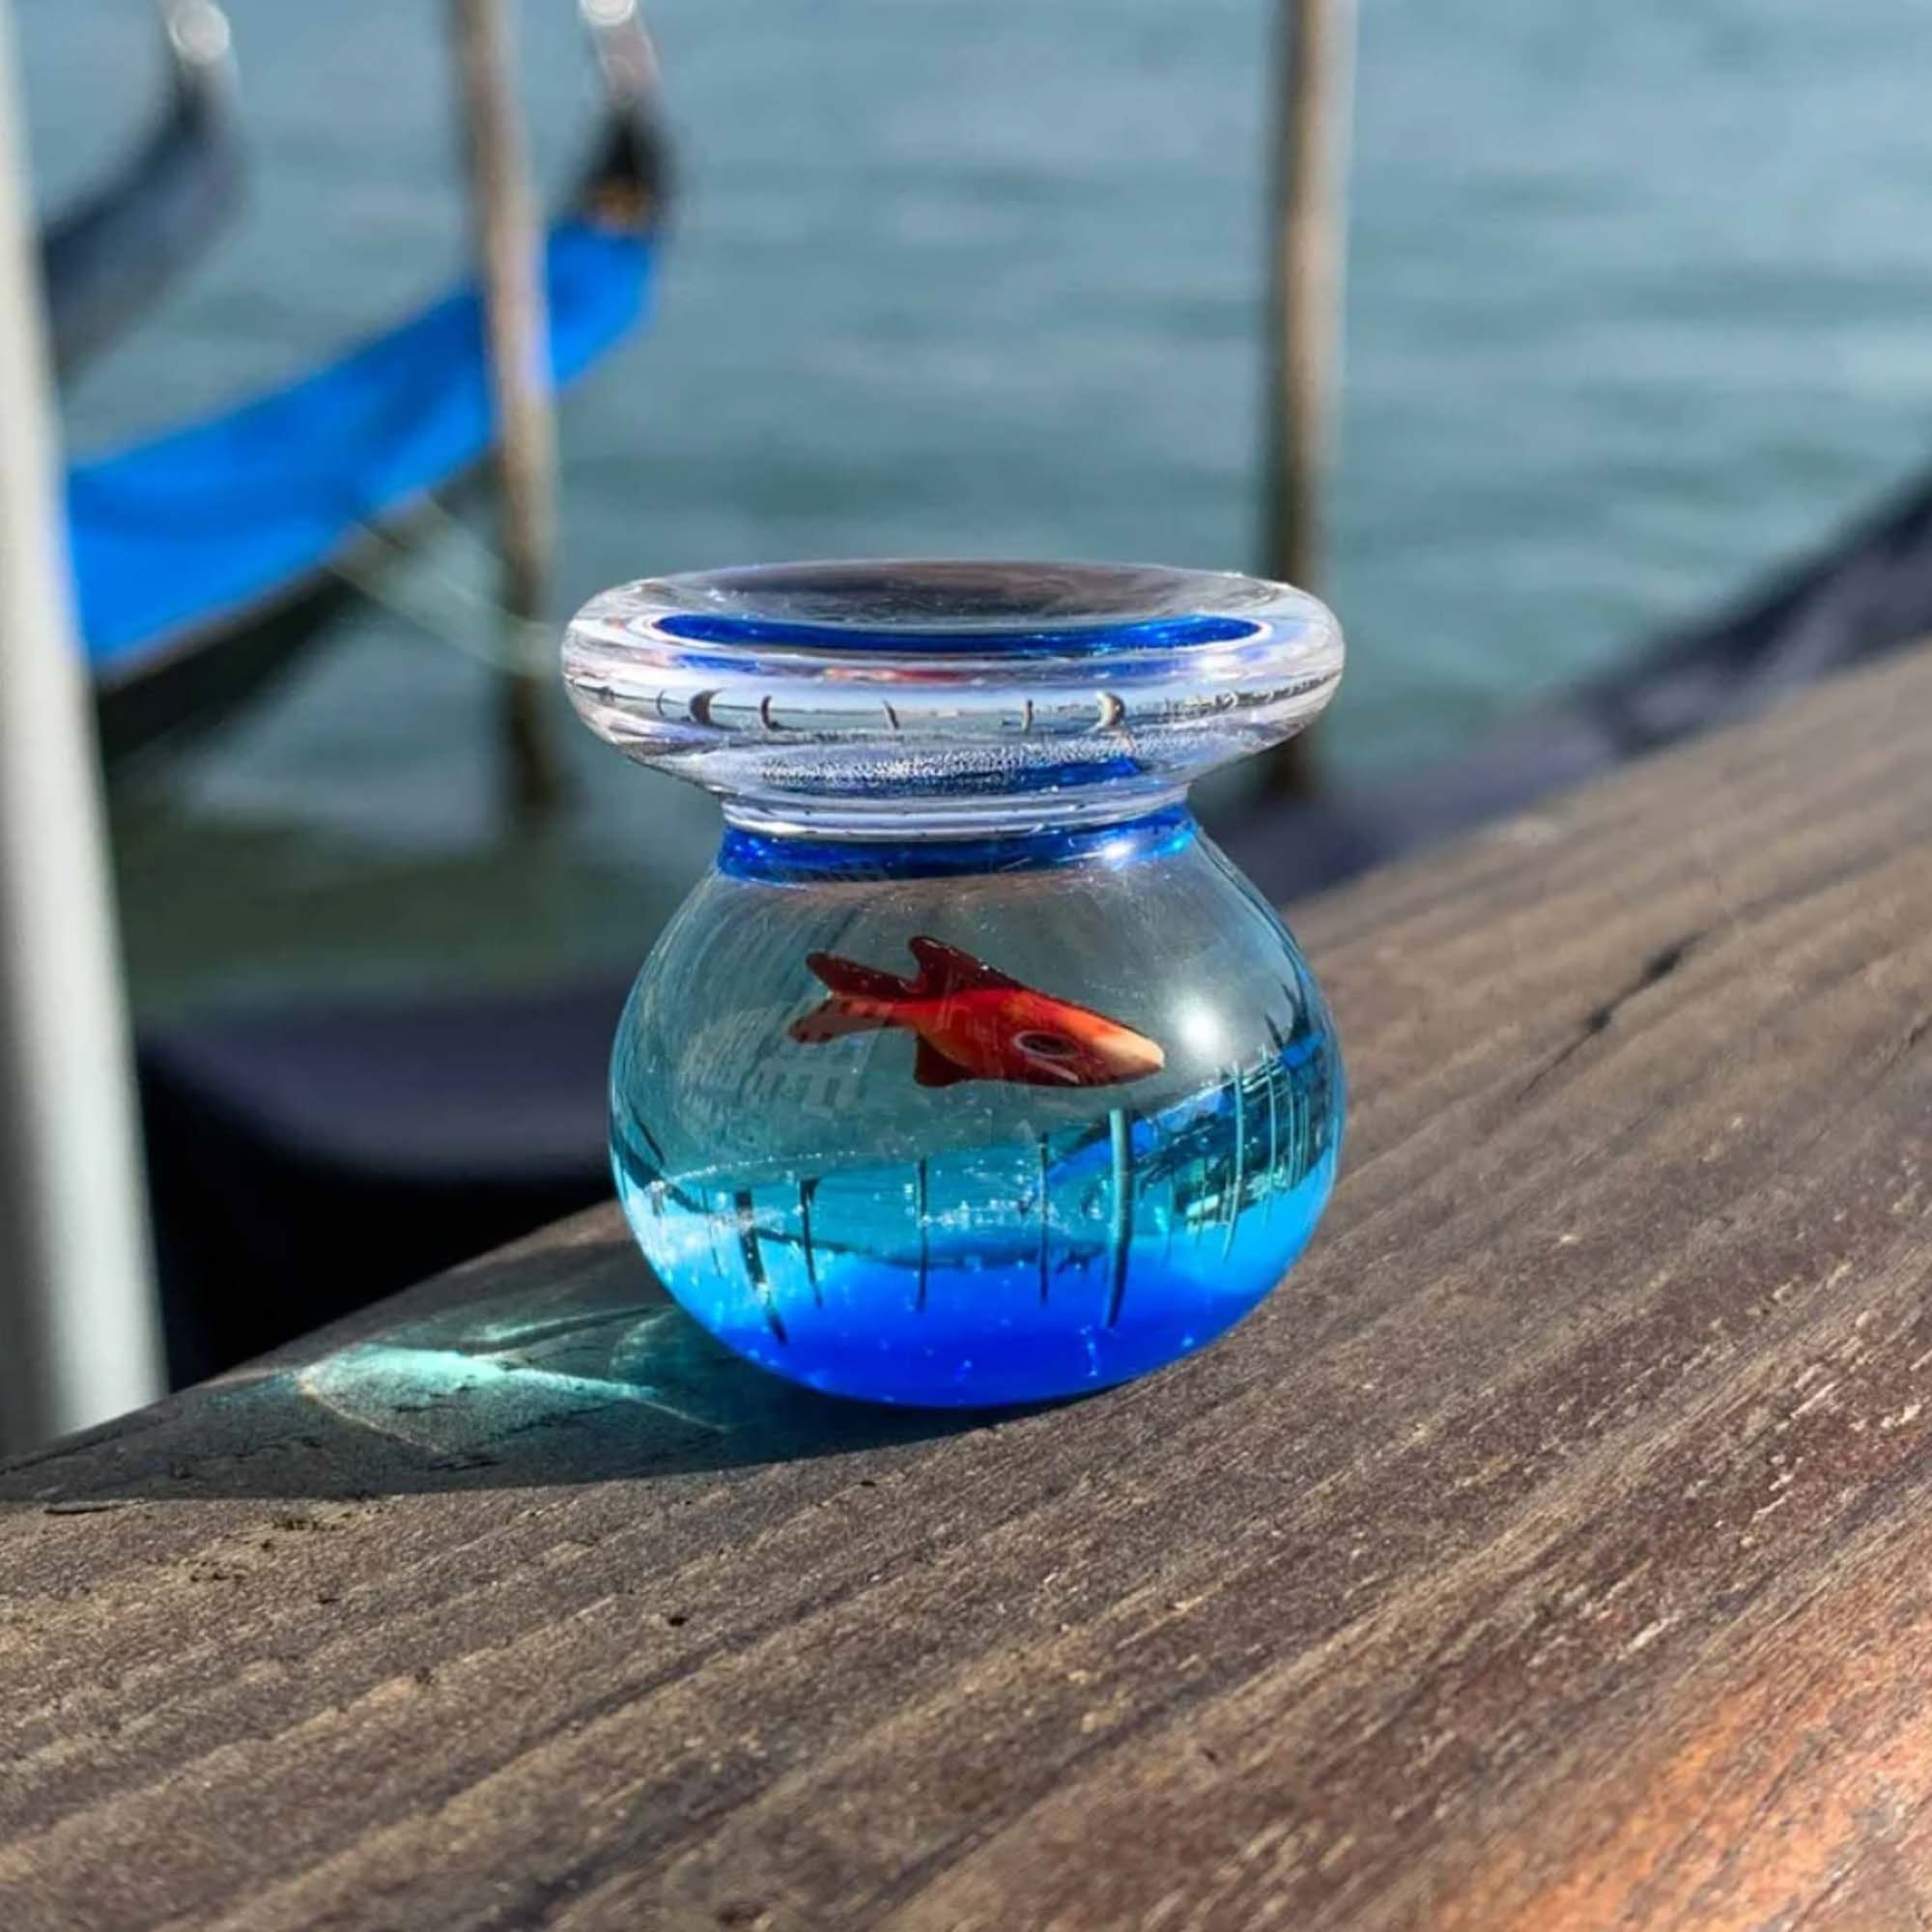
point(1007, 1273)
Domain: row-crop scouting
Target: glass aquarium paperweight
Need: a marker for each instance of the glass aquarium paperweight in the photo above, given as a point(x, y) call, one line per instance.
point(973, 1074)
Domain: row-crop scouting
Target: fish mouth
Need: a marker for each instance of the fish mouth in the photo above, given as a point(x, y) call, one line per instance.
point(1135, 1058)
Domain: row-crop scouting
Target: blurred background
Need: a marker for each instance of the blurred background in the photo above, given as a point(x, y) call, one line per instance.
point(1634, 309)
point(1634, 323)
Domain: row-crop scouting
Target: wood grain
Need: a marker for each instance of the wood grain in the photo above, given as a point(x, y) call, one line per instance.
point(1554, 1550)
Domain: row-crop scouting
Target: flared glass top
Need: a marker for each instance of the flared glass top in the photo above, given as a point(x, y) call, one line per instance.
point(905, 698)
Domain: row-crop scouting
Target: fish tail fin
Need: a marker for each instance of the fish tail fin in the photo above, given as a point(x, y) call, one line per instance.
point(864, 999)
point(837, 1017)
point(856, 982)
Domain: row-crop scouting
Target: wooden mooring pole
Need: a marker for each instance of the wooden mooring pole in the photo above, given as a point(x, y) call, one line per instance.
point(508, 246)
point(80, 1331)
point(1308, 229)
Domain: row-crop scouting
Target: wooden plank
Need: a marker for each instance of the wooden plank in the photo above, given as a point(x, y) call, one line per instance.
point(1552, 1551)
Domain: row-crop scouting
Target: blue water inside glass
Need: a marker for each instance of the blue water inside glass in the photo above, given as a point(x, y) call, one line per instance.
point(1012, 1272)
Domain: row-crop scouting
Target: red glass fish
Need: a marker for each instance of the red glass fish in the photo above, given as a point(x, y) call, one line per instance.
point(976, 1023)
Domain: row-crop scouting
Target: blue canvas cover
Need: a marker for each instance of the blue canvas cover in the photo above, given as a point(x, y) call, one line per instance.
point(169, 533)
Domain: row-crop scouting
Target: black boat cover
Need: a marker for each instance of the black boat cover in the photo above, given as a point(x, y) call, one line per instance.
point(109, 257)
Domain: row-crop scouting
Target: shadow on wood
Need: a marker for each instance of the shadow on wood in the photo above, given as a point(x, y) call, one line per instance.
point(520, 1374)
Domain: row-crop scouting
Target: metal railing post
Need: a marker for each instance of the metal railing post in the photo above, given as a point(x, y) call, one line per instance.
point(80, 1331)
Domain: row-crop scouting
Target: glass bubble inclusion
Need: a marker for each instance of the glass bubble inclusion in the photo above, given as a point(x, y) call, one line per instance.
point(973, 1074)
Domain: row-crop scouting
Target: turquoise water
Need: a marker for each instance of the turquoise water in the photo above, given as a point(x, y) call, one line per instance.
point(1010, 1272)
point(825, 1210)
point(1636, 306)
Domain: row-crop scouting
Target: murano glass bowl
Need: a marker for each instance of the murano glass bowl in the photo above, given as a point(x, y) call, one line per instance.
point(973, 1074)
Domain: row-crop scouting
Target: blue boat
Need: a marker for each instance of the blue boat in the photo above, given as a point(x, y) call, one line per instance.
point(206, 557)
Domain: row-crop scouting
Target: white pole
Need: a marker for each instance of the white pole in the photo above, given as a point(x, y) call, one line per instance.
point(80, 1337)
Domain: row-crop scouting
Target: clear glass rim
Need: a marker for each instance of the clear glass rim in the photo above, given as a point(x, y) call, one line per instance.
point(1031, 618)
point(930, 696)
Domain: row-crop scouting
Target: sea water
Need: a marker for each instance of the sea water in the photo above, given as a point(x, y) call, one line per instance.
point(1007, 1272)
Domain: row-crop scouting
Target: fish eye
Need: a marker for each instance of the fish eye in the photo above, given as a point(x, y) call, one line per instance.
point(1045, 1045)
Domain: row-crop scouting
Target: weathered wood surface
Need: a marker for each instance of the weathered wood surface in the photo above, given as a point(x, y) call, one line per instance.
point(1556, 1550)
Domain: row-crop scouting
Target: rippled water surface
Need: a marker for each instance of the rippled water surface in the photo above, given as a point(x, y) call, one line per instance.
point(1637, 301)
